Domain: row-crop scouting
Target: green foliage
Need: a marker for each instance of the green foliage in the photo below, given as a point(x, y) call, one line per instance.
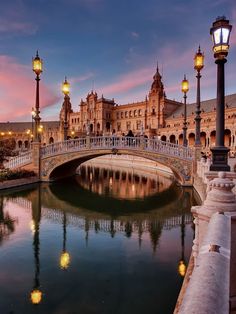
point(7, 150)
point(7, 174)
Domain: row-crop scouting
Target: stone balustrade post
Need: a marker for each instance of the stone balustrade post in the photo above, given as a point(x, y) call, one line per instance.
point(220, 198)
point(142, 142)
point(36, 157)
point(88, 144)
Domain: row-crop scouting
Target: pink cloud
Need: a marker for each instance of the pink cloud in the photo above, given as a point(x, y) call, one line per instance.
point(17, 90)
point(129, 81)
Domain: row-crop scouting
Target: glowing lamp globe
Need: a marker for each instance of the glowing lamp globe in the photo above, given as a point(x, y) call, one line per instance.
point(64, 260)
point(36, 296)
point(199, 60)
point(37, 65)
point(220, 32)
point(65, 87)
point(185, 85)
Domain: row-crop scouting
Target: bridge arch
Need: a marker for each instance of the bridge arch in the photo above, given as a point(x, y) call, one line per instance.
point(57, 167)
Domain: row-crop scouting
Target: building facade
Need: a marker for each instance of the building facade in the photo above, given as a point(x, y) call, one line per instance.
point(155, 116)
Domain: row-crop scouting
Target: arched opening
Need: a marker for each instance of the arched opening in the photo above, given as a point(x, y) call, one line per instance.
point(91, 128)
point(163, 138)
point(108, 126)
point(26, 144)
point(181, 139)
point(191, 139)
point(98, 126)
point(19, 144)
point(203, 139)
point(172, 139)
point(227, 138)
point(68, 168)
point(213, 138)
point(51, 140)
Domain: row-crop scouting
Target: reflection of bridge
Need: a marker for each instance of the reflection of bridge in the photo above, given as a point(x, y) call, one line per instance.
point(104, 225)
point(62, 158)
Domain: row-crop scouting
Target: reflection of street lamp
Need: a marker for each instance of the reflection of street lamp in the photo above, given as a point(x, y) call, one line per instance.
point(185, 88)
point(65, 257)
point(36, 293)
point(220, 32)
point(37, 64)
point(198, 66)
point(66, 90)
point(182, 265)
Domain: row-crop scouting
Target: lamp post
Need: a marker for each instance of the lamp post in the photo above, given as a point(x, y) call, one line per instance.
point(198, 66)
point(66, 90)
point(220, 32)
point(185, 88)
point(37, 64)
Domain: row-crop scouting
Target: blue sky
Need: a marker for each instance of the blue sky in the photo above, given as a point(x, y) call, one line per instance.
point(111, 46)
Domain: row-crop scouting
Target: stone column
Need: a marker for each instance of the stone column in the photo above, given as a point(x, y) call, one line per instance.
point(88, 144)
point(220, 198)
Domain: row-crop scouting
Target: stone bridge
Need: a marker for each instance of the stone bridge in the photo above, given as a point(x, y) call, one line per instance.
point(61, 159)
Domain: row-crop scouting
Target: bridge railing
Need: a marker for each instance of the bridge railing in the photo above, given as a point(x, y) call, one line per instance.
point(169, 148)
point(104, 142)
point(18, 161)
point(62, 147)
point(114, 142)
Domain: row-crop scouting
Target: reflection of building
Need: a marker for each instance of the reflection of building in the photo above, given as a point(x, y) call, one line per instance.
point(121, 183)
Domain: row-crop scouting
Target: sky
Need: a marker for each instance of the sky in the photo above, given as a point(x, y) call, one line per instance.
point(110, 46)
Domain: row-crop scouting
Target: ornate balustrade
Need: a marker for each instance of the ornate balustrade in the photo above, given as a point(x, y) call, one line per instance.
point(105, 142)
point(62, 147)
point(109, 142)
point(18, 161)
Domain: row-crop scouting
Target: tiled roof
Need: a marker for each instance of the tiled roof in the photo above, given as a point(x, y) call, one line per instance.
point(206, 106)
point(23, 126)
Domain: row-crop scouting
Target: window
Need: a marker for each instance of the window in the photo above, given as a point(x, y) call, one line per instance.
point(121, 115)
point(128, 125)
point(126, 114)
point(117, 115)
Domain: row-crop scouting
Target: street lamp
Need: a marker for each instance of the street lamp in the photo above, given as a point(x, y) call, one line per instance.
point(198, 66)
point(37, 65)
point(66, 90)
point(32, 122)
point(220, 32)
point(185, 88)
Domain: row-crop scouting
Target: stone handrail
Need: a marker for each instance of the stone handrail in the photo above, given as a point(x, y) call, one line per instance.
point(105, 142)
point(208, 289)
point(62, 147)
point(18, 161)
point(109, 142)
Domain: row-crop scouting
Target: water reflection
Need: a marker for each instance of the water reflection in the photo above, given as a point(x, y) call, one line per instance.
point(65, 256)
point(122, 183)
point(7, 222)
point(36, 293)
point(129, 251)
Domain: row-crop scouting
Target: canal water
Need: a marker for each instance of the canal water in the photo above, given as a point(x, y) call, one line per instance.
point(105, 241)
